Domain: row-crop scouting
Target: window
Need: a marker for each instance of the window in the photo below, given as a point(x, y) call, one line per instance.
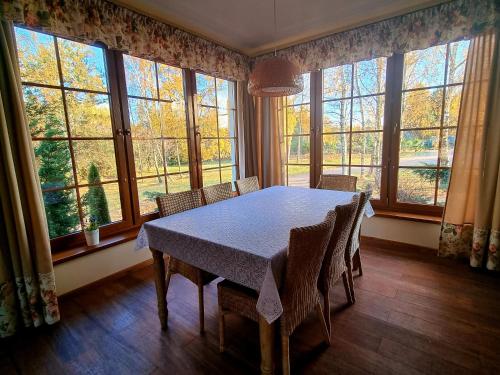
point(296, 133)
point(217, 129)
point(70, 114)
point(111, 132)
point(353, 102)
point(430, 102)
point(158, 129)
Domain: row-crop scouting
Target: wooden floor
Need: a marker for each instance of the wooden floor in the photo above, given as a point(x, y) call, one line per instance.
point(414, 314)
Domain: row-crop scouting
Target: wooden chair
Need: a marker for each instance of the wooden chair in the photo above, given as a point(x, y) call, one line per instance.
point(334, 266)
point(299, 294)
point(247, 185)
point(171, 204)
point(352, 255)
point(337, 182)
point(217, 193)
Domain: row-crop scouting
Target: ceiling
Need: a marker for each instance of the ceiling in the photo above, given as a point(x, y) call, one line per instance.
point(247, 25)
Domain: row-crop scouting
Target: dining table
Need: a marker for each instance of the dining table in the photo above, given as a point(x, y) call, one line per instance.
point(243, 239)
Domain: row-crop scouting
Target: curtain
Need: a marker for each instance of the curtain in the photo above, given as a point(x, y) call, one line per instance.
point(269, 139)
point(471, 223)
point(27, 286)
point(247, 131)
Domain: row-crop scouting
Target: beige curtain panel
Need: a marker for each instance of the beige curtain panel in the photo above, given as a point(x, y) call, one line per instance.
point(269, 140)
point(27, 287)
point(471, 223)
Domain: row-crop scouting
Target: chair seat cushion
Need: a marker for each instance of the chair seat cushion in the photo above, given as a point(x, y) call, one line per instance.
point(239, 299)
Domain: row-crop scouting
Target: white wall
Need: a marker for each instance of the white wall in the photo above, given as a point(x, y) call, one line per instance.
point(89, 268)
point(411, 232)
point(81, 271)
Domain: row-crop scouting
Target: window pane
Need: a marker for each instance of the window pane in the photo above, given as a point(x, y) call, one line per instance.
point(298, 149)
point(298, 175)
point(422, 108)
point(148, 189)
point(337, 82)
point(368, 113)
point(457, 60)
point(368, 179)
point(178, 182)
point(173, 122)
point(207, 122)
point(304, 96)
point(211, 177)
point(337, 116)
point(89, 114)
point(100, 153)
point(444, 180)
point(298, 119)
point(170, 83)
point(53, 161)
point(418, 147)
point(229, 174)
point(227, 123)
point(424, 68)
point(176, 155)
point(148, 157)
point(416, 185)
point(144, 118)
point(210, 153)
point(452, 105)
point(367, 148)
point(37, 57)
point(44, 111)
point(336, 148)
point(448, 138)
point(331, 169)
point(83, 66)
point(102, 202)
point(227, 152)
point(61, 212)
point(205, 86)
point(140, 76)
point(369, 76)
point(225, 94)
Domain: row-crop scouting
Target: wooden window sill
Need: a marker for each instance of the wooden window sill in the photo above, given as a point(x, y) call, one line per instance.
point(408, 216)
point(76, 252)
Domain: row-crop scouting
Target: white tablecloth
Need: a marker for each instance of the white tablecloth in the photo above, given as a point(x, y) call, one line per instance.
point(244, 239)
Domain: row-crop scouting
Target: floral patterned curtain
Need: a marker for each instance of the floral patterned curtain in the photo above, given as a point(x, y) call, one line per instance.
point(27, 285)
point(471, 224)
point(421, 29)
point(122, 29)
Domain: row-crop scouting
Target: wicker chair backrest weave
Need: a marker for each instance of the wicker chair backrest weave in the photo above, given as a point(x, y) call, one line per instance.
point(247, 185)
point(306, 250)
point(217, 193)
point(334, 260)
point(353, 242)
point(337, 182)
point(170, 204)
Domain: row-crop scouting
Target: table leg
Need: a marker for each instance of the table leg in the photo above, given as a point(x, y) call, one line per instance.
point(161, 290)
point(266, 333)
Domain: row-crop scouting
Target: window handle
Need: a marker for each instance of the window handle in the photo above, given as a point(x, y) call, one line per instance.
point(127, 132)
point(119, 132)
point(396, 126)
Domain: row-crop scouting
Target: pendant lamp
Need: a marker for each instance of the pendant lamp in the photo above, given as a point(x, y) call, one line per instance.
point(275, 76)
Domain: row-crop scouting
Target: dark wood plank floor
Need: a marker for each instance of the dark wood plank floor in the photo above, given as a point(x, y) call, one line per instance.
point(414, 314)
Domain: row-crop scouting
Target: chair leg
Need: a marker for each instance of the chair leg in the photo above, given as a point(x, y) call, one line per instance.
point(326, 311)
point(358, 261)
point(347, 288)
point(285, 354)
point(351, 281)
point(201, 306)
point(222, 330)
point(324, 327)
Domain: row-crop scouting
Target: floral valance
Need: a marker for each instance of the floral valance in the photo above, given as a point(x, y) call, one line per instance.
point(418, 30)
point(122, 29)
